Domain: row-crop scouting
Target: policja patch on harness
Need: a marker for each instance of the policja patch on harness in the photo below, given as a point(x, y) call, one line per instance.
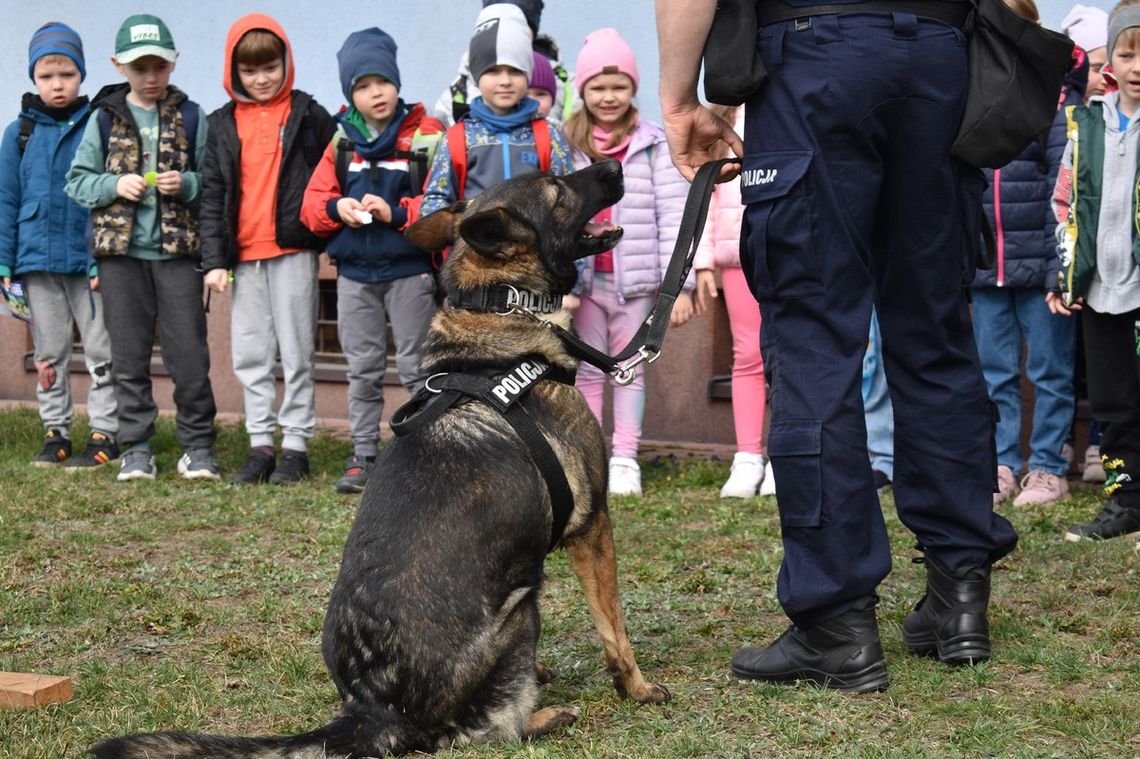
point(515, 383)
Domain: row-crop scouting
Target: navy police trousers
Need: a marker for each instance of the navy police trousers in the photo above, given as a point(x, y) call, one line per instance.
point(853, 201)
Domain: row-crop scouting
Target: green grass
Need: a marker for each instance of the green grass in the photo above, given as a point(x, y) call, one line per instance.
point(195, 606)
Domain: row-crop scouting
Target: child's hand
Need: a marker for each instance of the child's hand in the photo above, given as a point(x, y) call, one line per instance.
point(168, 182)
point(378, 207)
point(95, 284)
point(571, 302)
point(45, 373)
point(130, 187)
point(346, 208)
point(682, 310)
point(706, 290)
point(217, 279)
point(7, 283)
point(1057, 305)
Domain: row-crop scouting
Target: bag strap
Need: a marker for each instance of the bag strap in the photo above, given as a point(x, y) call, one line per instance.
point(645, 346)
point(457, 149)
point(541, 129)
point(27, 126)
point(343, 157)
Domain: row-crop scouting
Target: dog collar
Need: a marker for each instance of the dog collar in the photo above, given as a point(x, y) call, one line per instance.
point(504, 299)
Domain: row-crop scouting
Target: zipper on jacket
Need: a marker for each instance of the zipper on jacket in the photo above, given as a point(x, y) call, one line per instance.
point(999, 230)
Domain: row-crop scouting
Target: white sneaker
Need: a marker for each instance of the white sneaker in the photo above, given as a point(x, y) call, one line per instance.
point(768, 481)
point(1094, 469)
point(745, 476)
point(625, 476)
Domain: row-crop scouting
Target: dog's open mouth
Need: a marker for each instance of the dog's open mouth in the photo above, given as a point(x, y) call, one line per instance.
point(596, 238)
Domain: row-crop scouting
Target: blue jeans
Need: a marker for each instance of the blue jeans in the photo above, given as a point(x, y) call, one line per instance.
point(877, 405)
point(1002, 318)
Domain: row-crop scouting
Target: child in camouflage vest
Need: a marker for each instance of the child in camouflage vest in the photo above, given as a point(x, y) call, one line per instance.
point(138, 169)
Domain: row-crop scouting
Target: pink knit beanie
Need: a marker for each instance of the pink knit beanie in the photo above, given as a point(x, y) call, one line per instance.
point(605, 52)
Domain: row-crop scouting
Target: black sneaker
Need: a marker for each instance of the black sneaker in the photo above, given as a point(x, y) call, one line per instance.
point(257, 468)
point(56, 449)
point(882, 481)
point(293, 468)
point(1114, 520)
point(356, 473)
point(100, 450)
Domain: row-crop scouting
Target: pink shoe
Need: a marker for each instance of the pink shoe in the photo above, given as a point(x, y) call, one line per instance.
point(1040, 487)
point(1007, 485)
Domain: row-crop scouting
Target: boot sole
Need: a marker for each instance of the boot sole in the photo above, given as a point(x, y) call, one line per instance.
point(871, 679)
point(965, 651)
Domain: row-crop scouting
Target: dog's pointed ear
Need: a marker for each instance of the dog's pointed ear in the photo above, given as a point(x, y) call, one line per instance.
point(489, 233)
point(437, 230)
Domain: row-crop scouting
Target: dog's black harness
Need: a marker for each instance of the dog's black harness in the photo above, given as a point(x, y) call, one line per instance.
point(502, 391)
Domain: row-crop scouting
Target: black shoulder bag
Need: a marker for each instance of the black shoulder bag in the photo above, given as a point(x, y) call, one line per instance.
point(1016, 69)
point(733, 69)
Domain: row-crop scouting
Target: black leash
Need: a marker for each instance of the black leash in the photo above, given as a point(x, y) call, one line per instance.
point(645, 346)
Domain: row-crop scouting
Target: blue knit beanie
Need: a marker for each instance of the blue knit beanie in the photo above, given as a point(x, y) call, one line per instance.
point(56, 38)
point(369, 51)
point(532, 9)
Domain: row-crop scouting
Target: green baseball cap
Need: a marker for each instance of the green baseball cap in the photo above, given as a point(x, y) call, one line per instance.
point(141, 35)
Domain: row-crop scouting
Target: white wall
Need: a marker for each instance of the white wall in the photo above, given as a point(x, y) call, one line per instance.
point(431, 35)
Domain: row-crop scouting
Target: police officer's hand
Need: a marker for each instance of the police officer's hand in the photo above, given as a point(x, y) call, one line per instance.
point(131, 187)
point(682, 310)
point(696, 136)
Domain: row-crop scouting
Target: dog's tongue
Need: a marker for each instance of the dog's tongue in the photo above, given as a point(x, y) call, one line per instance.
point(597, 229)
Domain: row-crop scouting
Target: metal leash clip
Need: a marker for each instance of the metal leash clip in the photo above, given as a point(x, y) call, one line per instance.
point(514, 303)
point(626, 371)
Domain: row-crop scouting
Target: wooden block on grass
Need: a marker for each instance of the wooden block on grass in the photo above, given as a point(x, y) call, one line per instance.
point(21, 690)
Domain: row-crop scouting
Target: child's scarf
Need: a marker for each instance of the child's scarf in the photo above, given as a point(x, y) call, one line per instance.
point(522, 114)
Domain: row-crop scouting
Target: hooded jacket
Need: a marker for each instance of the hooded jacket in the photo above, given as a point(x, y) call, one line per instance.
point(41, 229)
point(1018, 208)
point(251, 207)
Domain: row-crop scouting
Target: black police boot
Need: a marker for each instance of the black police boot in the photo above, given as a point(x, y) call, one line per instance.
point(950, 620)
point(842, 653)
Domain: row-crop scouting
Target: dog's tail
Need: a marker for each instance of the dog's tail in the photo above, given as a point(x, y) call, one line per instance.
point(386, 734)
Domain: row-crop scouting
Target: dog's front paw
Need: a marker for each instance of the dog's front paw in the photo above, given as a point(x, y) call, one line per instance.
point(545, 721)
point(651, 693)
point(542, 673)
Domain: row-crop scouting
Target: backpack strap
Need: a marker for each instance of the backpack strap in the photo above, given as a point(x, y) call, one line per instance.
point(343, 156)
point(27, 126)
point(457, 148)
point(541, 130)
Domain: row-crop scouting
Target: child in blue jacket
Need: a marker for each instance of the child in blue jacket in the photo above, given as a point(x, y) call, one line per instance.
point(43, 243)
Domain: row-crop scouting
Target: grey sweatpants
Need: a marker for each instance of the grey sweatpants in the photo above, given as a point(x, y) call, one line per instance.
point(57, 301)
point(138, 297)
point(364, 311)
point(275, 311)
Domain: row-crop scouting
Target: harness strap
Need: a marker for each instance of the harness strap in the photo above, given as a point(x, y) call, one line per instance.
point(503, 392)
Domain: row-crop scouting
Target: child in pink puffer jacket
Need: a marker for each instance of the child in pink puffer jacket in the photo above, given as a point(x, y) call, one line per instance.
point(720, 249)
point(618, 287)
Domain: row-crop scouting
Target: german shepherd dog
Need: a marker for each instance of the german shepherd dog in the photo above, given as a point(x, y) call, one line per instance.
point(432, 628)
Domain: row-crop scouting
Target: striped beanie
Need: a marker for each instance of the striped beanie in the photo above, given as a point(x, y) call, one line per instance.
point(501, 38)
point(56, 38)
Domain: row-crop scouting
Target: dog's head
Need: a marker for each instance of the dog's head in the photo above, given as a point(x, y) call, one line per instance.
point(527, 231)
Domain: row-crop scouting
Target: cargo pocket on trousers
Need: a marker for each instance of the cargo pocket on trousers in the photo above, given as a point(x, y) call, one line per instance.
point(779, 223)
point(796, 445)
